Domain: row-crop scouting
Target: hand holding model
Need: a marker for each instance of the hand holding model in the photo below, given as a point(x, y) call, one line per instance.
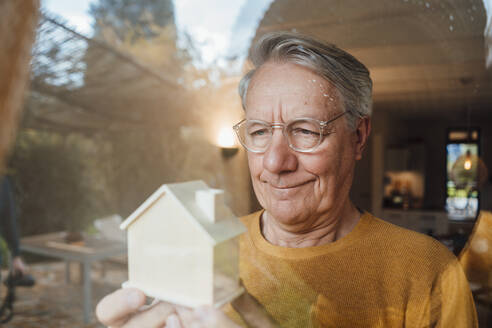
point(125, 308)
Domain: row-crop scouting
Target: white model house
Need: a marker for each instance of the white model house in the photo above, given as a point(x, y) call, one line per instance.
point(183, 246)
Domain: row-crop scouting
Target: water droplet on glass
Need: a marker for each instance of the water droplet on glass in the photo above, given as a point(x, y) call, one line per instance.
point(451, 28)
point(472, 18)
point(427, 5)
point(474, 7)
point(451, 17)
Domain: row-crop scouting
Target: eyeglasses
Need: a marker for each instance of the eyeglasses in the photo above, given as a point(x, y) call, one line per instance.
point(303, 134)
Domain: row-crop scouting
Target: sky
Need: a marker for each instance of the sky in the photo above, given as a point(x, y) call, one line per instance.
point(211, 28)
point(222, 30)
point(76, 13)
point(214, 29)
point(488, 32)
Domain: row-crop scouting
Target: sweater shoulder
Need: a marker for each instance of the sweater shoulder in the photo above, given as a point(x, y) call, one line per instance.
point(417, 246)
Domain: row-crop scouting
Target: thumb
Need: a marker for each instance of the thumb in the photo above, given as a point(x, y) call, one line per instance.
point(115, 308)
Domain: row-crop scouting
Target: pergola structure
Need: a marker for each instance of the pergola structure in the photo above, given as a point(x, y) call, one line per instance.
point(82, 84)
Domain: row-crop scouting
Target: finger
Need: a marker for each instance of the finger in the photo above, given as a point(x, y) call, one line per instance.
point(187, 317)
point(210, 317)
point(115, 308)
point(148, 306)
point(154, 316)
point(173, 322)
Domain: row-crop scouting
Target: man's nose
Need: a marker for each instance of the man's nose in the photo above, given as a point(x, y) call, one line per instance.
point(279, 157)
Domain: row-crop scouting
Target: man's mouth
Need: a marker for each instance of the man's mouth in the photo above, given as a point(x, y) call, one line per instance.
point(289, 186)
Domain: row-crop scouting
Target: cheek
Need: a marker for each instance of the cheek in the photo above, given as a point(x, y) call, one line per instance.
point(323, 163)
point(330, 166)
point(325, 169)
point(255, 163)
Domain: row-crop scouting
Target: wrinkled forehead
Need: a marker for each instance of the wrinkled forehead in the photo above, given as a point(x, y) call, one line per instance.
point(292, 88)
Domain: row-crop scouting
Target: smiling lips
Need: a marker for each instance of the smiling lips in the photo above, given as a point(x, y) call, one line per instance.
point(287, 187)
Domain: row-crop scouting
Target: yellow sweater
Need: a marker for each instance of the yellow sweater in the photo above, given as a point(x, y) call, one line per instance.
point(379, 275)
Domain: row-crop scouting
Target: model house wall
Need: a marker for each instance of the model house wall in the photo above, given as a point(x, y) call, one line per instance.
point(161, 246)
point(177, 252)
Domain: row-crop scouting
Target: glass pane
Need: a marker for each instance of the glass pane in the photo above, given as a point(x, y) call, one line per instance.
point(127, 96)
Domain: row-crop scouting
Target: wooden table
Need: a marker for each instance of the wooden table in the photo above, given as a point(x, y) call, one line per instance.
point(93, 250)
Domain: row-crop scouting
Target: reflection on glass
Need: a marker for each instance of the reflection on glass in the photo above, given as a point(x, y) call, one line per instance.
point(127, 95)
point(462, 172)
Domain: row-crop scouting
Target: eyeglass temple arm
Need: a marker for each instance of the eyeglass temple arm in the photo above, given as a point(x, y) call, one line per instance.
point(323, 124)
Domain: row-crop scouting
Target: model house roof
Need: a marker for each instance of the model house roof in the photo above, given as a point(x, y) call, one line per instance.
point(184, 193)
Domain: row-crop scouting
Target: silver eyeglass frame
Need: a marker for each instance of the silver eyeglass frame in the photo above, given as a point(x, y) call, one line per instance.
point(322, 126)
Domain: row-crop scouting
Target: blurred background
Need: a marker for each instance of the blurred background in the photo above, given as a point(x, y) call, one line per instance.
point(126, 95)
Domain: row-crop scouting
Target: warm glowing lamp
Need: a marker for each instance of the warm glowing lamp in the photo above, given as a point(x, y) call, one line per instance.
point(227, 142)
point(226, 138)
point(468, 163)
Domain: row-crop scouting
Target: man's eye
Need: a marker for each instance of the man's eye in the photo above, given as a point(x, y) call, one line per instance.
point(307, 132)
point(258, 133)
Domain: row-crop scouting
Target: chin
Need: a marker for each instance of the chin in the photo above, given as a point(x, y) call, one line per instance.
point(286, 213)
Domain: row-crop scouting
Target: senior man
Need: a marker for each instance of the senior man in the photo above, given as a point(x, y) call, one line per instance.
point(311, 258)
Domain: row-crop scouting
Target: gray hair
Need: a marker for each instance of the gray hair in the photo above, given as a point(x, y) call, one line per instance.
point(349, 76)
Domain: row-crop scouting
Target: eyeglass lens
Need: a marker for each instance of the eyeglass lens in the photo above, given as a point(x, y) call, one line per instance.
point(302, 134)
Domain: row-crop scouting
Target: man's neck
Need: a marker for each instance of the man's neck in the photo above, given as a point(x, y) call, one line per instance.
point(334, 226)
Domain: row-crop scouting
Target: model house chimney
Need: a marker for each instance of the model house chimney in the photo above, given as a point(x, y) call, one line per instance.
point(211, 202)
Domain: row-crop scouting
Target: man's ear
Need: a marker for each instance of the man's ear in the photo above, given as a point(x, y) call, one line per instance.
point(362, 132)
